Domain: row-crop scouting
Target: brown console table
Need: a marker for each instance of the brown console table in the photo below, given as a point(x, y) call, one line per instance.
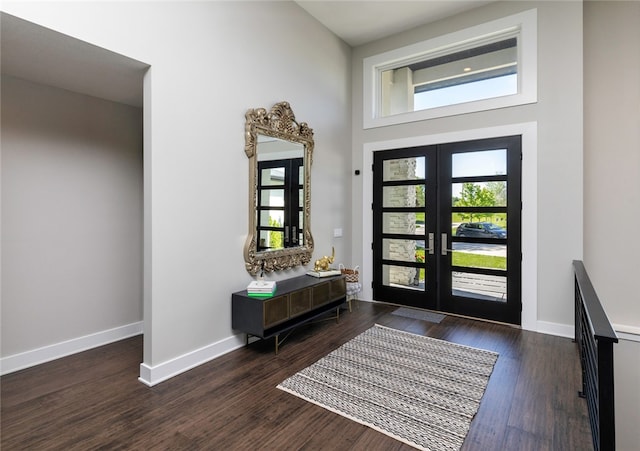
point(296, 301)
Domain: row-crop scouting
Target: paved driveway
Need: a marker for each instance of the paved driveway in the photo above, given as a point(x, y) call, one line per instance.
point(499, 250)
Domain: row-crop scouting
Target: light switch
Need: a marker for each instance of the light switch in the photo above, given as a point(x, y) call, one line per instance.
point(337, 233)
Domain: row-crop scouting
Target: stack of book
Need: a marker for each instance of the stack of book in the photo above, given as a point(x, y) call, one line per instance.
point(261, 288)
point(326, 273)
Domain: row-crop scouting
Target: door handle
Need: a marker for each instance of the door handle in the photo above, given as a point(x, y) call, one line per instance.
point(431, 248)
point(443, 249)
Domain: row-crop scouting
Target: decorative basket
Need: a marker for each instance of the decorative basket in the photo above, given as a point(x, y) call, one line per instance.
point(351, 274)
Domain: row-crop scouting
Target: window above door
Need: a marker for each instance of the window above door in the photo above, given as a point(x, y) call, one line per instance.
point(489, 66)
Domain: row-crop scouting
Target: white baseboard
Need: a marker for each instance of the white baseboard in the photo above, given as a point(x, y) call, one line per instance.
point(152, 375)
point(629, 333)
point(559, 330)
point(624, 332)
point(55, 351)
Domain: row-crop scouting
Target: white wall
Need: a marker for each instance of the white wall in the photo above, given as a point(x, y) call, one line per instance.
point(612, 190)
point(210, 62)
point(558, 156)
point(612, 158)
point(71, 215)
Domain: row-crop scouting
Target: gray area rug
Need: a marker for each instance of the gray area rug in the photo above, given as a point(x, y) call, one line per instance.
point(419, 390)
point(419, 314)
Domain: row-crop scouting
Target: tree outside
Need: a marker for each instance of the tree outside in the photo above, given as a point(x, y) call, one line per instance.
point(275, 238)
point(474, 195)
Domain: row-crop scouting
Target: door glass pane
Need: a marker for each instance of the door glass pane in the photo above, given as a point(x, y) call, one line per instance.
point(271, 218)
point(479, 286)
point(411, 168)
point(497, 224)
point(403, 277)
point(473, 164)
point(403, 250)
point(271, 239)
point(479, 194)
point(405, 223)
point(480, 255)
point(272, 198)
point(403, 196)
point(272, 176)
point(479, 225)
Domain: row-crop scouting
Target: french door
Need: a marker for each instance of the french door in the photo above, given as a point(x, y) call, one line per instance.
point(446, 228)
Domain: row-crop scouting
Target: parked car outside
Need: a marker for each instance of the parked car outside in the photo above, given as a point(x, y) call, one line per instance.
point(480, 230)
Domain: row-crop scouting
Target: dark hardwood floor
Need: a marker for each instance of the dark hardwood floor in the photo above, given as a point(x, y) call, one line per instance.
point(93, 400)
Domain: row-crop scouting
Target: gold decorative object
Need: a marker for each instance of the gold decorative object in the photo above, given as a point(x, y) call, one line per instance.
point(280, 123)
point(324, 263)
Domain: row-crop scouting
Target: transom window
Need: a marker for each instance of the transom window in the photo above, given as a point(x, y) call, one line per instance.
point(485, 67)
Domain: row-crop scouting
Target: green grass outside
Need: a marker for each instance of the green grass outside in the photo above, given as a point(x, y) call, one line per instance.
point(479, 260)
point(470, 260)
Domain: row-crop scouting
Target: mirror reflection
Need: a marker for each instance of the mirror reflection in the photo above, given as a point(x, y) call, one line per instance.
point(280, 154)
point(280, 218)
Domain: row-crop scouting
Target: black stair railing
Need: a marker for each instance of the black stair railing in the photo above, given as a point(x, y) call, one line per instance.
point(595, 338)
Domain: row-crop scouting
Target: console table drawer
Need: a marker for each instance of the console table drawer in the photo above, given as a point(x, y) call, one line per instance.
point(275, 310)
point(338, 288)
point(299, 302)
point(321, 294)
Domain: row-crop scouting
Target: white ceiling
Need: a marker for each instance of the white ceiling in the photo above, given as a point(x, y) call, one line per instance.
point(41, 55)
point(358, 22)
point(44, 56)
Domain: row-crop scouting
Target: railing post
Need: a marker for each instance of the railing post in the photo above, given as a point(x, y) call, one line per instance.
point(606, 396)
point(595, 337)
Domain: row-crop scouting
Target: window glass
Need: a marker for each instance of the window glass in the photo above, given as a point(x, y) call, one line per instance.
point(271, 218)
point(403, 223)
point(403, 196)
point(487, 66)
point(404, 277)
point(479, 224)
point(479, 194)
point(272, 176)
point(272, 198)
point(475, 164)
point(479, 286)
point(466, 92)
point(403, 169)
point(270, 239)
point(480, 255)
point(481, 72)
point(403, 250)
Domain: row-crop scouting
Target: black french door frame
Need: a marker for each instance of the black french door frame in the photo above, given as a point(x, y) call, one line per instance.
point(450, 301)
point(441, 238)
point(393, 293)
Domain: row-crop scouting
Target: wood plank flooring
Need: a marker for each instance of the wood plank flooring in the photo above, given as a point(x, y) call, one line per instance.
point(93, 400)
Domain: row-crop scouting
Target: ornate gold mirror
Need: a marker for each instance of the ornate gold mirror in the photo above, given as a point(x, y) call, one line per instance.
point(280, 155)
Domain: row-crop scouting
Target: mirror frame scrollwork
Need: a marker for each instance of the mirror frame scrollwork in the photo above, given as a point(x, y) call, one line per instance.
point(279, 123)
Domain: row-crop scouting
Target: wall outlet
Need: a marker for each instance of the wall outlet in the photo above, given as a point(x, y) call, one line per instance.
point(337, 233)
